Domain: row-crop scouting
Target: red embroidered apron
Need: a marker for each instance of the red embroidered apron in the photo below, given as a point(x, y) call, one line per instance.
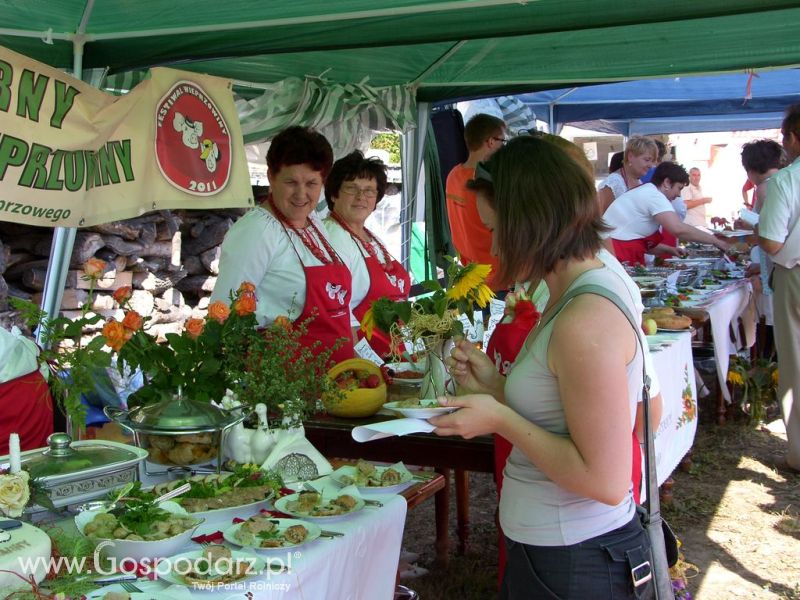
point(395, 287)
point(633, 251)
point(328, 290)
point(27, 409)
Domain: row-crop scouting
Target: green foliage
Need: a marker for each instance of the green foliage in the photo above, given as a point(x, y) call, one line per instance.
point(281, 372)
point(390, 142)
point(198, 366)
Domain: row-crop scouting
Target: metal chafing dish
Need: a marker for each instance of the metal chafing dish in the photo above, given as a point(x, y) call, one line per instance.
point(178, 432)
point(76, 472)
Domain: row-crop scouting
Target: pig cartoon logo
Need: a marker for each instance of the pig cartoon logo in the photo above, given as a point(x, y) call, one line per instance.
point(193, 141)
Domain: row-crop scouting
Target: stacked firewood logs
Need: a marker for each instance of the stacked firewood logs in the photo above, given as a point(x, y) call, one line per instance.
point(170, 258)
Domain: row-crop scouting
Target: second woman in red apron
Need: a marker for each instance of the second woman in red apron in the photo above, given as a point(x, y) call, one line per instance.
point(353, 189)
point(281, 246)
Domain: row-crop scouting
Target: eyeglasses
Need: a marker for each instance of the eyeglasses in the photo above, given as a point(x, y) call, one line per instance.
point(502, 140)
point(354, 191)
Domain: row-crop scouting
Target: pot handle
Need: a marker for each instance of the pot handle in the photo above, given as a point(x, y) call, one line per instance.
point(244, 412)
point(118, 415)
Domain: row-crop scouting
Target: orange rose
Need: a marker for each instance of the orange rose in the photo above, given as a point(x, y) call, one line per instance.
point(283, 322)
point(218, 311)
point(94, 268)
point(245, 304)
point(194, 327)
point(132, 320)
point(115, 335)
point(247, 287)
point(123, 294)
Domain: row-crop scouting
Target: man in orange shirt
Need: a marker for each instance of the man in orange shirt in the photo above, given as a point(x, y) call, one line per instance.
point(484, 135)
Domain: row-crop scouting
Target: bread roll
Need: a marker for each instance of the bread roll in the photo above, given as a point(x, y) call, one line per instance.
point(672, 321)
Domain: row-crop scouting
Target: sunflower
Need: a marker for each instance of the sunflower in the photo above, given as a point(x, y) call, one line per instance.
point(735, 378)
point(470, 284)
point(368, 323)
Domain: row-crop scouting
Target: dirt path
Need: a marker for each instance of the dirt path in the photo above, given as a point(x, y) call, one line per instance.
point(736, 512)
point(738, 515)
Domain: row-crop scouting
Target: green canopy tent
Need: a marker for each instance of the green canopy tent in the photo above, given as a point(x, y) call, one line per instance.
point(441, 49)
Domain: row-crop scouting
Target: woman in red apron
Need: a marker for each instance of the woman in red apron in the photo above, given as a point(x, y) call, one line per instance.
point(282, 247)
point(633, 251)
point(353, 189)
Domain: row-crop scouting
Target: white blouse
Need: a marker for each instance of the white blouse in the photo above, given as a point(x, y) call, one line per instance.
point(257, 249)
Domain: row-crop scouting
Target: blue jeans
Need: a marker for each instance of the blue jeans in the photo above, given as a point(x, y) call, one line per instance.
point(595, 569)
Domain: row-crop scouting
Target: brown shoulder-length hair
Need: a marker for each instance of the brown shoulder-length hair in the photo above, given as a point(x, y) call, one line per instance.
point(546, 209)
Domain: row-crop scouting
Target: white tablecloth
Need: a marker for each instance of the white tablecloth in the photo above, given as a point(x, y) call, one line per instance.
point(724, 310)
point(675, 369)
point(362, 565)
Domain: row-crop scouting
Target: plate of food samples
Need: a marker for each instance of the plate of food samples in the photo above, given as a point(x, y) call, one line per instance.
point(368, 477)
point(313, 505)
point(226, 495)
point(212, 567)
point(416, 408)
point(263, 532)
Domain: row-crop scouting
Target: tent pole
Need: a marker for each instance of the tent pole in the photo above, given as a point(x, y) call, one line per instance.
point(63, 237)
point(412, 147)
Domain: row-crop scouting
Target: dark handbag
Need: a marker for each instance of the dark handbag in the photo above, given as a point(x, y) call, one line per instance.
point(663, 544)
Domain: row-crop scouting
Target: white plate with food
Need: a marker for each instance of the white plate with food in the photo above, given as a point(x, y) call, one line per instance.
point(210, 567)
point(221, 497)
point(368, 477)
point(139, 530)
point(419, 409)
point(262, 532)
point(315, 506)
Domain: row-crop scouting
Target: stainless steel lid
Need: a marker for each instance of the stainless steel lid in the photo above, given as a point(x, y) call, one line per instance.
point(61, 458)
point(180, 414)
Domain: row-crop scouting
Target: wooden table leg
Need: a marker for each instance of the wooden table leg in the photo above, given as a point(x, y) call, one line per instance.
point(442, 509)
point(686, 463)
point(722, 407)
point(665, 492)
point(462, 508)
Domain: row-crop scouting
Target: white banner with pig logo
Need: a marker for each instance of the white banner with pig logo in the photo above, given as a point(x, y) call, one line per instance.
point(72, 155)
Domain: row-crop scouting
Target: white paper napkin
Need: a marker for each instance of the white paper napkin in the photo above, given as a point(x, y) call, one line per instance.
point(377, 431)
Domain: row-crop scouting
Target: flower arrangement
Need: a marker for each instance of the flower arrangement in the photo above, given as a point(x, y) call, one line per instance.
point(757, 381)
point(63, 350)
point(434, 317)
point(225, 351)
point(427, 323)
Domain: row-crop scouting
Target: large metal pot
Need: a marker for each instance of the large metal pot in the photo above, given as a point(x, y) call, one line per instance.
point(178, 431)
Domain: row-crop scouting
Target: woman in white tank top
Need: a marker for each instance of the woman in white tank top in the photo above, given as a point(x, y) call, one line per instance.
point(569, 403)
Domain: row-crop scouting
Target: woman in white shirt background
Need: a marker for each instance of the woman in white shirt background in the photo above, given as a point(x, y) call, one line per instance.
point(641, 153)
